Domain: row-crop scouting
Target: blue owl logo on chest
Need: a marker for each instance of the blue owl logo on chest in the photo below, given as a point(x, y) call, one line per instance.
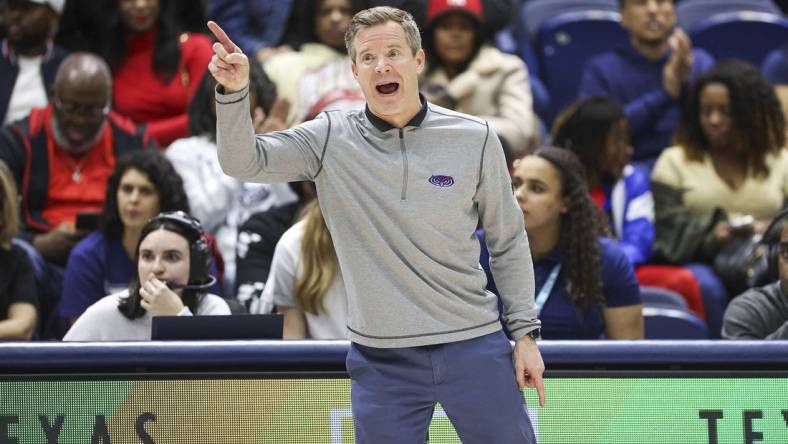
point(441, 180)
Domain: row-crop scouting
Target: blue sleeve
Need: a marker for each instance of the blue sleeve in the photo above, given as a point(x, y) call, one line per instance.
point(619, 284)
point(641, 112)
point(592, 81)
point(702, 61)
point(83, 280)
point(637, 233)
point(775, 66)
point(268, 19)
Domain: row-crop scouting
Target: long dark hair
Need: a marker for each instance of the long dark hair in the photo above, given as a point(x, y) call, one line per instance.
point(166, 52)
point(202, 114)
point(758, 121)
point(580, 227)
point(130, 305)
point(159, 171)
point(583, 128)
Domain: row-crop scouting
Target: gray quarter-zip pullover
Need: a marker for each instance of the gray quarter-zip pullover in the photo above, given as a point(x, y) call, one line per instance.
point(402, 206)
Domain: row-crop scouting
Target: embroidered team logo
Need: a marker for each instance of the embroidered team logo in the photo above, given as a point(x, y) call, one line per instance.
point(441, 181)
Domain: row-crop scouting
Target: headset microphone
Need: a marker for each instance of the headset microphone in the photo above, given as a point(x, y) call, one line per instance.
point(204, 286)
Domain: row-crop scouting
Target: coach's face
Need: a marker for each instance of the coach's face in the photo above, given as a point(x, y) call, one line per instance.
point(388, 72)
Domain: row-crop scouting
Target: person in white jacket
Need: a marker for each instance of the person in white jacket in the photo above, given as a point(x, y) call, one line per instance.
point(305, 283)
point(173, 272)
point(222, 203)
point(467, 75)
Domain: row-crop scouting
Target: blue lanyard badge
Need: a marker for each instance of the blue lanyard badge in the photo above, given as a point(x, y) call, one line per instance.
point(544, 292)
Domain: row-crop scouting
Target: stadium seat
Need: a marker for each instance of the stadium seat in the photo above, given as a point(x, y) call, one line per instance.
point(773, 66)
point(565, 43)
point(669, 323)
point(690, 12)
point(745, 35)
point(662, 297)
point(534, 12)
point(506, 41)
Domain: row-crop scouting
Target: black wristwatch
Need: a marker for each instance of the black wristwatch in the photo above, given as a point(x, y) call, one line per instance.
point(534, 334)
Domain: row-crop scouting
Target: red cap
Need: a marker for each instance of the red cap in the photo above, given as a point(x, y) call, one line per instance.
point(439, 7)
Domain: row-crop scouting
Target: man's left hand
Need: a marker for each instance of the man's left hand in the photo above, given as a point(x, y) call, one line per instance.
point(528, 366)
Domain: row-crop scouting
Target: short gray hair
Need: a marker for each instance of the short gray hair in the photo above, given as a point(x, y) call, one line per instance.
point(381, 15)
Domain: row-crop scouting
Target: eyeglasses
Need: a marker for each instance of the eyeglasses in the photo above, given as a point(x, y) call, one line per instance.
point(92, 110)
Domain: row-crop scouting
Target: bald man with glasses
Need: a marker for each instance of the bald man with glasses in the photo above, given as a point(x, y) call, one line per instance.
point(61, 156)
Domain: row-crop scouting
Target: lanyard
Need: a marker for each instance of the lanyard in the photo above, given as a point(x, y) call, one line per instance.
point(547, 287)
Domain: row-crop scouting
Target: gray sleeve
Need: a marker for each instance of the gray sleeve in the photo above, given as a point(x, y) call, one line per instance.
point(748, 317)
point(281, 156)
point(504, 230)
point(780, 333)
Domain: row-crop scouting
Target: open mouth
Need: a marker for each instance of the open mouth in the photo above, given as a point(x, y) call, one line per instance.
point(387, 88)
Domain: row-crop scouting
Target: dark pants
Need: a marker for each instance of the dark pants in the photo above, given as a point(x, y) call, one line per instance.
point(394, 391)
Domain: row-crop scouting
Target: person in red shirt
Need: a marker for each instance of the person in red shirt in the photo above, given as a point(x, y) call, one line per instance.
point(61, 157)
point(155, 69)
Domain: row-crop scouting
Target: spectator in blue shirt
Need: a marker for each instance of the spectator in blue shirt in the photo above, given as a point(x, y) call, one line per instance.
point(142, 185)
point(647, 77)
point(585, 285)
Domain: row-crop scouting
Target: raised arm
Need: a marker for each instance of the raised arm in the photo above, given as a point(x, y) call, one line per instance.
point(279, 156)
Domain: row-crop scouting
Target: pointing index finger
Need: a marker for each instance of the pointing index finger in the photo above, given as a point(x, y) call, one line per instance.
point(228, 44)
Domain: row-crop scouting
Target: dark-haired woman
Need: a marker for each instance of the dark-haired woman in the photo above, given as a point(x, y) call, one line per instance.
point(729, 160)
point(172, 253)
point(596, 130)
point(143, 184)
point(729, 164)
point(155, 68)
point(585, 285)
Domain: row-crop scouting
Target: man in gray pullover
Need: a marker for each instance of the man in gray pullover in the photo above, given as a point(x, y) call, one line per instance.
point(403, 186)
point(762, 312)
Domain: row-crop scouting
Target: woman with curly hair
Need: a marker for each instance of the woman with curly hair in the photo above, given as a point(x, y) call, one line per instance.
point(585, 285)
point(595, 129)
point(143, 184)
point(729, 164)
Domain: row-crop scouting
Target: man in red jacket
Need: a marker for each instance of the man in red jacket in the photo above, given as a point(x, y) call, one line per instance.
point(61, 157)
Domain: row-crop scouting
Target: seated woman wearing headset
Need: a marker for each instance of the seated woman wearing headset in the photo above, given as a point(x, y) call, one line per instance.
point(173, 263)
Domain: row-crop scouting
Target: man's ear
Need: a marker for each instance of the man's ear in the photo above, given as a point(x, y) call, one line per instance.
point(420, 58)
point(354, 68)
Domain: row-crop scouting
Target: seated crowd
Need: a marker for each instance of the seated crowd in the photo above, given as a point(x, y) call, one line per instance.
point(114, 209)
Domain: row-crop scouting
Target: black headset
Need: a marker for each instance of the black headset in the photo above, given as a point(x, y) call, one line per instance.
point(773, 254)
point(200, 253)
